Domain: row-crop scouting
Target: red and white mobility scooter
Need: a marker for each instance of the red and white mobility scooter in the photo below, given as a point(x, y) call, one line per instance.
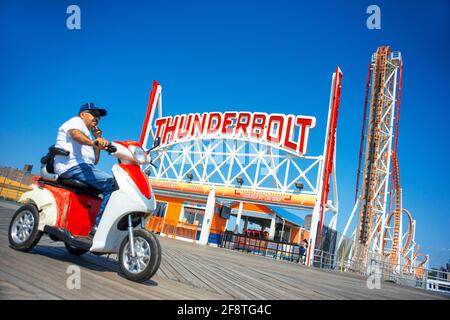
point(66, 209)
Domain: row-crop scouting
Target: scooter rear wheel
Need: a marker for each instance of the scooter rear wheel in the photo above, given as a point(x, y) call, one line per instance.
point(23, 233)
point(146, 261)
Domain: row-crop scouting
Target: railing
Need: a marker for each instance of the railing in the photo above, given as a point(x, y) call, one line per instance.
point(439, 286)
point(155, 224)
point(172, 228)
point(437, 280)
point(13, 183)
point(275, 249)
point(187, 230)
point(324, 260)
point(169, 229)
point(404, 274)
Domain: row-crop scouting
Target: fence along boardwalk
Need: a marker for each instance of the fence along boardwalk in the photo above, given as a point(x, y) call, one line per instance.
point(187, 271)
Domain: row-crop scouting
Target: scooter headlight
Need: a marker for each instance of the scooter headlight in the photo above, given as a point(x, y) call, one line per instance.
point(139, 154)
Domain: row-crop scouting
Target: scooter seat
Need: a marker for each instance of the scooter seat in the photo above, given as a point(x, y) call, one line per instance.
point(78, 185)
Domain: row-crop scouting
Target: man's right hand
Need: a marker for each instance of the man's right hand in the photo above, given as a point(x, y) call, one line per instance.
point(101, 143)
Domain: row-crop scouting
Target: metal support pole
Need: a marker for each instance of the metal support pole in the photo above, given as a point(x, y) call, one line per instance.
point(207, 220)
point(272, 227)
point(282, 230)
point(335, 191)
point(239, 216)
point(326, 166)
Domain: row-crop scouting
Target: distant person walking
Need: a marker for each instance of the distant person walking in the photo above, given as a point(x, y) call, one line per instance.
point(303, 248)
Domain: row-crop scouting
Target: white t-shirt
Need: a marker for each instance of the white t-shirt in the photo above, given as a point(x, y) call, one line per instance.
point(78, 153)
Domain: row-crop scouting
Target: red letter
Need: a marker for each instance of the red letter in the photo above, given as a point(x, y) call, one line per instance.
point(275, 119)
point(289, 134)
point(198, 125)
point(170, 129)
point(227, 121)
point(160, 124)
point(242, 126)
point(306, 124)
point(258, 125)
point(210, 130)
point(184, 126)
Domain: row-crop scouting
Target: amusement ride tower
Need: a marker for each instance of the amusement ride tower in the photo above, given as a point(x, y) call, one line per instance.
point(379, 231)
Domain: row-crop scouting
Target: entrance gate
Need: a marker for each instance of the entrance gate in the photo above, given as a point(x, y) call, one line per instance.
point(244, 156)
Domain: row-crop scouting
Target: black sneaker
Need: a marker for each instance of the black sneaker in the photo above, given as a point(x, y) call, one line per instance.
point(92, 232)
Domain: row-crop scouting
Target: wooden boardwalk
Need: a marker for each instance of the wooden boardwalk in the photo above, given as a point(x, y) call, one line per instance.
point(188, 271)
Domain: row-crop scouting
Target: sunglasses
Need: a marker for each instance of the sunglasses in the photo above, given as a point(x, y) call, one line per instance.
point(95, 114)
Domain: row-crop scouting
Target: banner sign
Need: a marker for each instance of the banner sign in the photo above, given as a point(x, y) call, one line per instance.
point(238, 194)
point(289, 132)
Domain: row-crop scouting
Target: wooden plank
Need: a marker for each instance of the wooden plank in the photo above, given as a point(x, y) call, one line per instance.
point(187, 271)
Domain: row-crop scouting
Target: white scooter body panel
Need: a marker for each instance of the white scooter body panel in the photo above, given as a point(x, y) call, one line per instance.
point(126, 200)
point(45, 203)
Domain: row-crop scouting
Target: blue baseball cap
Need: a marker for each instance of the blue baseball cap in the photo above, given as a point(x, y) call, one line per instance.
point(91, 106)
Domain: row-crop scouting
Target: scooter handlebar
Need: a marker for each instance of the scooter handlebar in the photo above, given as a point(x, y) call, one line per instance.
point(110, 148)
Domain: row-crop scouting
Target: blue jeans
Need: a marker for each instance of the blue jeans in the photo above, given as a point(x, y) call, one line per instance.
point(98, 179)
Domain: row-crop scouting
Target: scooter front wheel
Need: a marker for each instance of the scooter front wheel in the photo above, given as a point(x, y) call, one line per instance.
point(144, 264)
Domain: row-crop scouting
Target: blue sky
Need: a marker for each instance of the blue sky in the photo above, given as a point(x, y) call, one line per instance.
point(227, 55)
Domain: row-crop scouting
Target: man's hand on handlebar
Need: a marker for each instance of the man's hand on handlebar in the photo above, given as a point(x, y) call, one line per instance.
point(101, 143)
point(108, 147)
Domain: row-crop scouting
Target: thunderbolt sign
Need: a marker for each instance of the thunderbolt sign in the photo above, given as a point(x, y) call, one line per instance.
point(288, 132)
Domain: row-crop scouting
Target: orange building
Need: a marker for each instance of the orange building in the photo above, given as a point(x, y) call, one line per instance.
point(181, 216)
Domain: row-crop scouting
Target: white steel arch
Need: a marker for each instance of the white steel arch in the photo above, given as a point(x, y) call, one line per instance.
point(222, 161)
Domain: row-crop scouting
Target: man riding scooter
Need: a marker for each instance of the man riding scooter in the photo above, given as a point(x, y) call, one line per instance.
point(67, 207)
point(74, 136)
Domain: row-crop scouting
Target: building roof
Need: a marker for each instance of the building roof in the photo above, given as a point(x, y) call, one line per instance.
point(282, 213)
point(288, 216)
point(253, 207)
